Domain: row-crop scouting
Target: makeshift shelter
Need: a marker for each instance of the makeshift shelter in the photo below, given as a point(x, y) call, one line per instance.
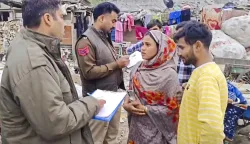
point(74, 10)
point(77, 16)
point(10, 23)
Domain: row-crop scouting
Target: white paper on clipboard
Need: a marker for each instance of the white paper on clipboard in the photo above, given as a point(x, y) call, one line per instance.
point(113, 99)
point(134, 59)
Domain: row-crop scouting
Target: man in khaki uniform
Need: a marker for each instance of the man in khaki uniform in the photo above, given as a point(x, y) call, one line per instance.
point(99, 67)
point(38, 100)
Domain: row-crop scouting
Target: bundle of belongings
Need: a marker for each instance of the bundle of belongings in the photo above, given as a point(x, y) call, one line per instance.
point(224, 46)
point(215, 15)
point(230, 28)
point(238, 28)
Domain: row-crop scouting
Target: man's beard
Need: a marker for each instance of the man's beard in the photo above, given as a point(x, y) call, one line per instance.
point(191, 59)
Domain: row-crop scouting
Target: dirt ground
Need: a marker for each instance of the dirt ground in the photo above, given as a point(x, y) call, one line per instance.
point(123, 131)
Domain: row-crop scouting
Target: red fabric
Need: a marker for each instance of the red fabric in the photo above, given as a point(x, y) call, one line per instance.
point(131, 22)
point(140, 32)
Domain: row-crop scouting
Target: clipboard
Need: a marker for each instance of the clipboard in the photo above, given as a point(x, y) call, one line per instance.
point(113, 102)
point(108, 119)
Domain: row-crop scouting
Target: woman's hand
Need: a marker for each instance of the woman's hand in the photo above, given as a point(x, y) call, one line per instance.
point(138, 105)
point(134, 107)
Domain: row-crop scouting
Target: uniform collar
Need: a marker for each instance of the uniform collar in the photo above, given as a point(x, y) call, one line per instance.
point(103, 35)
point(99, 32)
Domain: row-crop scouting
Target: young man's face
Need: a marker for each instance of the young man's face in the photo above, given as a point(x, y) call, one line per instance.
point(186, 52)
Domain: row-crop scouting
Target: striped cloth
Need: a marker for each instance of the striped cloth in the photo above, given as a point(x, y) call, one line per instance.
point(203, 107)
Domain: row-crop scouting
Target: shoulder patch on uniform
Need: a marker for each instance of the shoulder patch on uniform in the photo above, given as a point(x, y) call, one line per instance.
point(83, 51)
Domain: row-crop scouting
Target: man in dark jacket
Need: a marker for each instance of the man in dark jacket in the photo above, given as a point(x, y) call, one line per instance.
point(99, 66)
point(38, 100)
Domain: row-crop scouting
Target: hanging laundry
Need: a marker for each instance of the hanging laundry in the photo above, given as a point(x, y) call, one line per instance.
point(118, 32)
point(185, 15)
point(175, 17)
point(167, 31)
point(87, 21)
point(79, 26)
point(91, 19)
point(170, 30)
point(113, 35)
point(157, 17)
point(147, 19)
point(124, 19)
point(165, 16)
point(131, 22)
point(125, 26)
point(140, 32)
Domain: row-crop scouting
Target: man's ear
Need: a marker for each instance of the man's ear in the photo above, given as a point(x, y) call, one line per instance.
point(101, 18)
point(47, 19)
point(198, 46)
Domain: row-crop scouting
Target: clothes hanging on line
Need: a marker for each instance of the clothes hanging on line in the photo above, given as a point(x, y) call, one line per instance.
point(157, 17)
point(83, 21)
point(185, 15)
point(170, 30)
point(125, 25)
point(113, 35)
point(147, 19)
point(87, 20)
point(128, 22)
point(165, 17)
point(167, 30)
point(140, 32)
point(131, 22)
point(79, 25)
point(118, 32)
point(175, 17)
